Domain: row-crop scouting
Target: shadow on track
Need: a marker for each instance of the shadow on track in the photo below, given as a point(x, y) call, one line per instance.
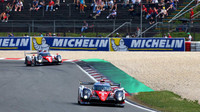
point(97, 105)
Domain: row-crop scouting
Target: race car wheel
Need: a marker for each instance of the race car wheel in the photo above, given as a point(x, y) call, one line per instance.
point(59, 63)
point(26, 62)
point(34, 63)
point(120, 105)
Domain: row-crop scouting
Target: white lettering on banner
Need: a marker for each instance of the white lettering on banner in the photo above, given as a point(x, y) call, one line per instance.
point(91, 43)
point(147, 43)
point(10, 42)
point(70, 43)
point(135, 43)
point(57, 42)
point(172, 44)
point(5, 42)
point(179, 43)
point(78, 42)
point(162, 43)
point(143, 43)
point(65, 42)
point(97, 43)
point(167, 44)
point(156, 43)
point(88, 43)
point(24, 42)
point(103, 43)
point(17, 42)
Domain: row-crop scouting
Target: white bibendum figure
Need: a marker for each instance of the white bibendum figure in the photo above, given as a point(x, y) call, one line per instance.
point(42, 47)
point(120, 47)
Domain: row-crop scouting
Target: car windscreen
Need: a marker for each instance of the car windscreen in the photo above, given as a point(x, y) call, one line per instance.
point(45, 54)
point(102, 87)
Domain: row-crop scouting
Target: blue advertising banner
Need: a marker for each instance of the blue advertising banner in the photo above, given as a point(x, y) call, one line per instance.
point(15, 43)
point(70, 44)
point(147, 44)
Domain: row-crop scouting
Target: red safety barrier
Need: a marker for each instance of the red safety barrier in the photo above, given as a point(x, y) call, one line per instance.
point(187, 46)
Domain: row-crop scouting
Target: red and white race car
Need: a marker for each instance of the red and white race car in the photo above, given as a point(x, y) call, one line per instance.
point(101, 93)
point(41, 58)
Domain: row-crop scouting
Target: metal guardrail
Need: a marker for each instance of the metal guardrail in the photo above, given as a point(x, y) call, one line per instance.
point(150, 28)
point(196, 15)
point(118, 28)
point(184, 12)
point(181, 11)
point(68, 25)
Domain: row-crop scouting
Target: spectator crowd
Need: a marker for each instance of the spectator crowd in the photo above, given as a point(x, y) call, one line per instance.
point(12, 5)
point(151, 9)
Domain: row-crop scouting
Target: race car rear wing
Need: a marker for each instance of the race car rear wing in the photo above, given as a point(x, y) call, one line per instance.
point(25, 53)
point(115, 84)
point(86, 83)
point(92, 83)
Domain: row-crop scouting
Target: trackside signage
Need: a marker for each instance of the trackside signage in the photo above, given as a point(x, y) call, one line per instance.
point(92, 44)
point(147, 44)
point(14, 43)
point(70, 44)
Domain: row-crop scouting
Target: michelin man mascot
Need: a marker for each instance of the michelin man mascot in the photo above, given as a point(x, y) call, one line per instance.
point(120, 47)
point(42, 47)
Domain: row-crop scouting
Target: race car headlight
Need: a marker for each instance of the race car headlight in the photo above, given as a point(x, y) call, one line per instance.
point(59, 58)
point(120, 98)
point(39, 59)
point(119, 95)
point(85, 97)
point(86, 93)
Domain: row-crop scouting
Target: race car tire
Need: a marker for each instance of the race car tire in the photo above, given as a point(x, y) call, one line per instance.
point(120, 105)
point(26, 62)
point(59, 63)
point(79, 102)
point(34, 63)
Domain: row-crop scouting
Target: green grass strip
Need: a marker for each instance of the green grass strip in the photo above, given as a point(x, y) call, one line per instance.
point(166, 101)
point(113, 73)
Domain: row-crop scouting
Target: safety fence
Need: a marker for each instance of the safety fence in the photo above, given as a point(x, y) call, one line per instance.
point(92, 44)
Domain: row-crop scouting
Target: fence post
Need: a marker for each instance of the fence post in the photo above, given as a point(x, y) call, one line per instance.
point(29, 30)
point(74, 27)
point(42, 11)
point(93, 27)
point(12, 26)
point(32, 26)
point(141, 19)
point(69, 10)
point(54, 26)
point(194, 32)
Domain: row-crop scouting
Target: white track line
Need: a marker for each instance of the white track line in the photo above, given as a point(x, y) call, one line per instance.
point(87, 74)
point(137, 106)
point(22, 59)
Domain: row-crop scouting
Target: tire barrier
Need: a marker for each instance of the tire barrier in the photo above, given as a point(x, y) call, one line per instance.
point(192, 46)
point(187, 46)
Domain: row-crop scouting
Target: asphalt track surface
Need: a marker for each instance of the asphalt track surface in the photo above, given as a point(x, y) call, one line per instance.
point(51, 88)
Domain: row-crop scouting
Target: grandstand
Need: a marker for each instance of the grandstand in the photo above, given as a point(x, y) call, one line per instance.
point(69, 19)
